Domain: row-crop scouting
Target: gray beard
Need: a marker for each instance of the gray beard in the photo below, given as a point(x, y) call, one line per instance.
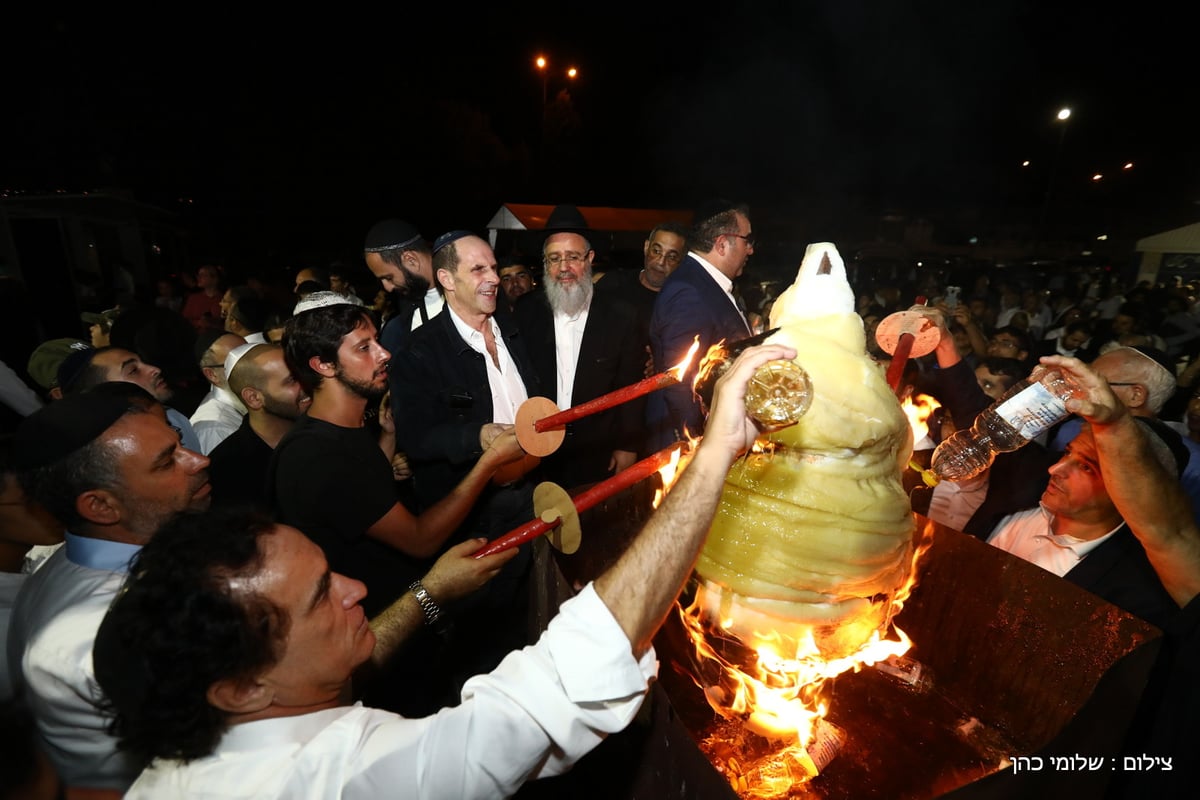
point(569, 301)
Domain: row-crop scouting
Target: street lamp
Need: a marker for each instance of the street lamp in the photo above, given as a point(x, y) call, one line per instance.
point(1063, 115)
point(541, 65)
point(572, 72)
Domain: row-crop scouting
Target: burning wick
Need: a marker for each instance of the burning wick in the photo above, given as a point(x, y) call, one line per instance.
point(619, 396)
point(585, 500)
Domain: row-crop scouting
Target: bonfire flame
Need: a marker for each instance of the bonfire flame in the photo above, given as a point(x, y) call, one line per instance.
point(774, 687)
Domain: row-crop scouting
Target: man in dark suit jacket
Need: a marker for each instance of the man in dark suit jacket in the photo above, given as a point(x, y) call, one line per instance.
point(582, 339)
point(697, 300)
point(443, 384)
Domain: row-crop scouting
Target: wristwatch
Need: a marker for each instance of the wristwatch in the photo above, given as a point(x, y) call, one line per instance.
point(429, 608)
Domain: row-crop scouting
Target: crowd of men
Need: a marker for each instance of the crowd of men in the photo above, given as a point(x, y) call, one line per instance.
point(223, 575)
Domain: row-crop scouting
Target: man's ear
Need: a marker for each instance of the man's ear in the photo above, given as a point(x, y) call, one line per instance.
point(325, 369)
point(445, 279)
point(239, 696)
point(210, 375)
point(252, 398)
point(98, 506)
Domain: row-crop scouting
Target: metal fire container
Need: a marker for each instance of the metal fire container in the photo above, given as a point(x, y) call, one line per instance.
point(1009, 663)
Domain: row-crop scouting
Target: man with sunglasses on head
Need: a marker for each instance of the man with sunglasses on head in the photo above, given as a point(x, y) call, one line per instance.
point(698, 300)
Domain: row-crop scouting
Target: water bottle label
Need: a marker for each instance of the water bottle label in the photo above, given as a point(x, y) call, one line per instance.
point(1032, 411)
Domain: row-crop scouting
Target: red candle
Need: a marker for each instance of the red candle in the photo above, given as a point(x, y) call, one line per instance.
point(583, 501)
point(904, 346)
point(607, 401)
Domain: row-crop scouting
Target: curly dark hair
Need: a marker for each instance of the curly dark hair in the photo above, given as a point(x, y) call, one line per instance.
point(318, 332)
point(178, 627)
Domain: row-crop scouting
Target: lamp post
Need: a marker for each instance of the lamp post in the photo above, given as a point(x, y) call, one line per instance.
point(541, 65)
point(1063, 115)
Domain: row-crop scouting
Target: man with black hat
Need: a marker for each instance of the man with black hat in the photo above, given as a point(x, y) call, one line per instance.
point(698, 300)
point(581, 338)
point(107, 465)
point(402, 260)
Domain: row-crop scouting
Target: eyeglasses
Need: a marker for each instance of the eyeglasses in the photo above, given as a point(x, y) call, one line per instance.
point(1118, 383)
point(568, 258)
point(749, 237)
point(1003, 343)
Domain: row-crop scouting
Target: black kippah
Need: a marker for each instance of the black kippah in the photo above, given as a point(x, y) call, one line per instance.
point(711, 208)
point(64, 426)
point(390, 234)
point(449, 238)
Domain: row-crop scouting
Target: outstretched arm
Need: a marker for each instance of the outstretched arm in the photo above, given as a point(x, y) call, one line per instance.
point(422, 536)
point(456, 574)
point(641, 586)
point(1148, 497)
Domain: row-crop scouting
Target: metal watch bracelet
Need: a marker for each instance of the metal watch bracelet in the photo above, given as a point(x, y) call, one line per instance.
point(429, 608)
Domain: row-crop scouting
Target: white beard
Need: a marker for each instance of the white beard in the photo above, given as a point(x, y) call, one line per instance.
point(570, 301)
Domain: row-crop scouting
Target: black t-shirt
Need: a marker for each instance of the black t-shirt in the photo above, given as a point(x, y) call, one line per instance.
point(333, 483)
point(239, 468)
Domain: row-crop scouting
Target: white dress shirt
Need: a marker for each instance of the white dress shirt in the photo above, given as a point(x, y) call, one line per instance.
point(568, 337)
point(535, 715)
point(54, 623)
point(725, 283)
point(218, 415)
point(1028, 535)
point(508, 390)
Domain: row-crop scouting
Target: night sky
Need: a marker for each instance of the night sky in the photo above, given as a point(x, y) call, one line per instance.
point(292, 134)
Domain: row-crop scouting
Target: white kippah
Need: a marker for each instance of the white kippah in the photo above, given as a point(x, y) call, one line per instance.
point(235, 355)
point(320, 300)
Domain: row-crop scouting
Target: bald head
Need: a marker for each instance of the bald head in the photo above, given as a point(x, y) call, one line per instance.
point(262, 381)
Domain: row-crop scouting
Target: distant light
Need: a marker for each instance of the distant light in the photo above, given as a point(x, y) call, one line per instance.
point(1086, 253)
point(973, 240)
point(1097, 176)
point(541, 62)
point(1025, 163)
point(572, 72)
point(1102, 237)
point(1064, 114)
point(919, 264)
point(1128, 165)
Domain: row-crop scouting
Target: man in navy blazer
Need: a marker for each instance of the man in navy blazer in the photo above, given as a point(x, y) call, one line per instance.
point(697, 300)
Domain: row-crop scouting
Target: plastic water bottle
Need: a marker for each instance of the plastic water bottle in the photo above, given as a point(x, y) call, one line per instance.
point(1028, 408)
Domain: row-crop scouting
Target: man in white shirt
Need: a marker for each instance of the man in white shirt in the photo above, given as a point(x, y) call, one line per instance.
point(1077, 532)
point(108, 466)
point(274, 721)
point(220, 412)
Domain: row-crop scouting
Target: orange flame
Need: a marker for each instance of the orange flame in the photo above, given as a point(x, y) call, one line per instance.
point(714, 357)
point(679, 369)
point(781, 695)
point(667, 472)
point(918, 409)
